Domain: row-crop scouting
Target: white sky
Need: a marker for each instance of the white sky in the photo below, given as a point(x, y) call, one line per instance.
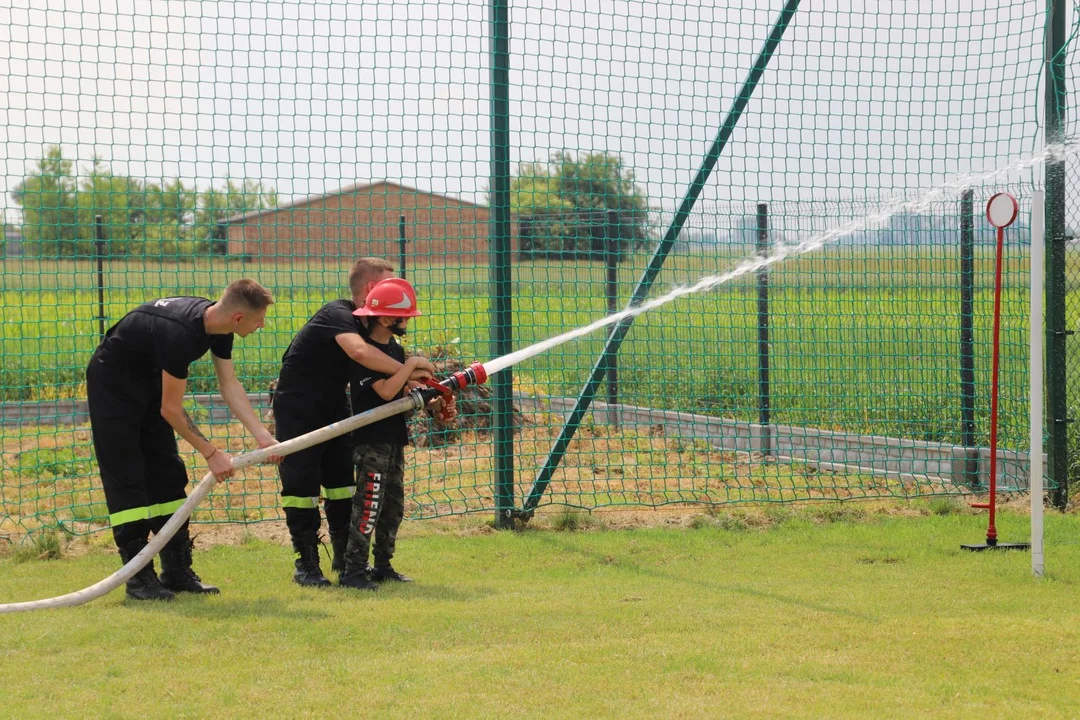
point(311, 95)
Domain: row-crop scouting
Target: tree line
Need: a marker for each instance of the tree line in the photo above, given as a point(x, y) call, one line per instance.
point(578, 207)
point(139, 217)
point(570, 207)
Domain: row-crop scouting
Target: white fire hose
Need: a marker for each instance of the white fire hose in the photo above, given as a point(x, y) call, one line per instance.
point(415, 400)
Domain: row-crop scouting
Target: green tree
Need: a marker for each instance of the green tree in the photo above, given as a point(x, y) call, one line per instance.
point(564, 206)
point(169, 214)
point(121, 203)
point(216, 204)
point(536, 190)
point(59, 210)
point(542, 211)
point(48, 198)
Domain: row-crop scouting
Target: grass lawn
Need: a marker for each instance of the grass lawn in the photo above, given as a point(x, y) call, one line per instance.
point(828, 611)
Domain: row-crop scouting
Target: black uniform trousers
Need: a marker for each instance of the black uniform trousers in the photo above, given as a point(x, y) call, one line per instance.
point(144, 478)
point(327, 465)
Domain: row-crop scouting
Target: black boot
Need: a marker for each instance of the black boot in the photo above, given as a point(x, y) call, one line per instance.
point(176, 572)
point(337, 514)
point(145, 584)
point(382, 573)
point(357, 579)
point(339, 542)
point(303, 524)
point(308, 573)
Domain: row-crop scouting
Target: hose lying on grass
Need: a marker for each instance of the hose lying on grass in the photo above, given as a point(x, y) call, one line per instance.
point(415, 400)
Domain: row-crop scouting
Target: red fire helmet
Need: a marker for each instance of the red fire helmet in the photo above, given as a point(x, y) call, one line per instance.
point(393, 297)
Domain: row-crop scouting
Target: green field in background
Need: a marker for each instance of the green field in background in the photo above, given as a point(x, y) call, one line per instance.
point(865, 341)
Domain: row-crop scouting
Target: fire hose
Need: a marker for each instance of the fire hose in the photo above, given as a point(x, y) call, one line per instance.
point(416, 399)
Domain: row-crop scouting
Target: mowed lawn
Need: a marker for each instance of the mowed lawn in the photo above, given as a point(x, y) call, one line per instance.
point(831, 611)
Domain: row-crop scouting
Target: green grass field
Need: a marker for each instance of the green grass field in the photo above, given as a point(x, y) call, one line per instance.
point(833, 611)
point(866, 342)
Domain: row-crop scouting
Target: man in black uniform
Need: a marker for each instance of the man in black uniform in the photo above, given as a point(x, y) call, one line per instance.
point(311, 393)
point(135, 387)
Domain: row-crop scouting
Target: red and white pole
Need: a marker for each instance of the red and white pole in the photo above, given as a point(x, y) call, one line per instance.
point(1001, 211)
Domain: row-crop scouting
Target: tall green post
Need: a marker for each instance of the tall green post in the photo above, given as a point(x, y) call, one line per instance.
point(967, 339)
point(1057, 419)
point(402, 240)
point(99, 253)
point(764, 396)
point(612, 246)
point(660, 254)
point(501, 308)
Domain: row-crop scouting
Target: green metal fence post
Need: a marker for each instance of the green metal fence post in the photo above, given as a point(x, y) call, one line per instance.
point(641, 291)
point(1056, 332)
point(501, 288)
point(99, 251)
point(401, 246)
point(967, 338)
point(612, 245)
point(764, 400)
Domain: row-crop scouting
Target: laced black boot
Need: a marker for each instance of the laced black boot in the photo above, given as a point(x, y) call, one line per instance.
point(308, 573)
point(337, 514)
point(382, 573)
point(339, 541)
point(176, 572)
point(357, 578)
point(145, 585)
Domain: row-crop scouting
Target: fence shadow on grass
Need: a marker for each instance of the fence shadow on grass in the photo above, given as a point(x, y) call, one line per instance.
point(625, 563)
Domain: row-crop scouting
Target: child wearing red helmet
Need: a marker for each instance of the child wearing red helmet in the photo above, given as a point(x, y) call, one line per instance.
point(379, 452)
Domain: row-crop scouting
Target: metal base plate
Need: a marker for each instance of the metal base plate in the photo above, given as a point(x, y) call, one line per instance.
point(997, 546)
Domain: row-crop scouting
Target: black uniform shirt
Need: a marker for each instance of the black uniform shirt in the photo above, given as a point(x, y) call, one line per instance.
point(166, 334)
point(315, 368)
point(392, 430)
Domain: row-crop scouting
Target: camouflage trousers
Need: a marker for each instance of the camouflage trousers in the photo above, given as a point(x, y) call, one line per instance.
point(378, 505)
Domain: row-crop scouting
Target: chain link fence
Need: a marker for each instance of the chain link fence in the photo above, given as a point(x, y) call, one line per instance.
point(586, 159)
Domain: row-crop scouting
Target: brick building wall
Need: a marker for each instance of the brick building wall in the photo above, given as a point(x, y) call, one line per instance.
point(363, 220)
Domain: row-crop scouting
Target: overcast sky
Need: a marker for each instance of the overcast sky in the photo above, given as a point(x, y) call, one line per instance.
point(311, 95)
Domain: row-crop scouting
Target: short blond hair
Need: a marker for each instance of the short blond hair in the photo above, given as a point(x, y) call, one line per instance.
point(364, 271)
point(246, 294)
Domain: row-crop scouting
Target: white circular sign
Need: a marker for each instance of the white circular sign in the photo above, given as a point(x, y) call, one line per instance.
point(1001, 210)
